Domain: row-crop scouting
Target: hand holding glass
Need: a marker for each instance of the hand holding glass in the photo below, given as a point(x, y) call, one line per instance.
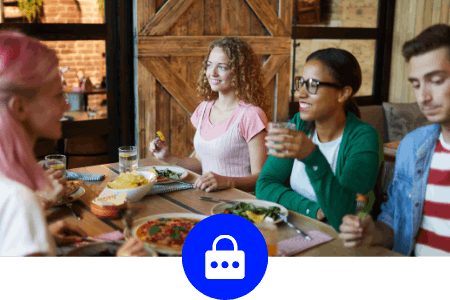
point(273, 125)
point(57, 162)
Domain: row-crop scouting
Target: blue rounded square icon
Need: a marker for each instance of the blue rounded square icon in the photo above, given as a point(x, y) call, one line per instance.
point(225, 256)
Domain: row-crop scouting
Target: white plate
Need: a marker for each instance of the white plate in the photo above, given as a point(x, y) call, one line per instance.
point(72, 197)
point(140, 222)
point(220, 207)
point(171, 168)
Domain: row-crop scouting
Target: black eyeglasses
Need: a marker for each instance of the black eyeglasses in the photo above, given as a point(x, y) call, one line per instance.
point(312, 85)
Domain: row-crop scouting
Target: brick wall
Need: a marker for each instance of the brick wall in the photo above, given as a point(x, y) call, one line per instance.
point(84, 56)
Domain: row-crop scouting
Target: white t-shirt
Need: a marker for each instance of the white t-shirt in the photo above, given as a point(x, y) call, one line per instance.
point(300, 182)
point(23, 228)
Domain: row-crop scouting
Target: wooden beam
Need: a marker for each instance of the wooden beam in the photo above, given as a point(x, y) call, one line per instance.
point(283, 92)
point(227, 17)
point(172, 82)
point(286, 13)
point(198, 45)
point(166, 17)
point(268, 17)
point(60, 32)
point(272, 65)
point(146, 10)
point(147, 107)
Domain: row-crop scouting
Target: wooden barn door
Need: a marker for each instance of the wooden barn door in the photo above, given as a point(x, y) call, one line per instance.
point(173, 37)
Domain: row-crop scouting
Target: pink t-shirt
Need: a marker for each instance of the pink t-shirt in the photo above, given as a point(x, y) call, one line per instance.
point(252, 122)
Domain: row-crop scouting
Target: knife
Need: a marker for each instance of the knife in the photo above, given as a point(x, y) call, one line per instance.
point(284, 217)
point(218, 200)
point(75, 213)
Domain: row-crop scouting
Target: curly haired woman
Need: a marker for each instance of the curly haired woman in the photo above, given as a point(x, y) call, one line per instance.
point(231, 121)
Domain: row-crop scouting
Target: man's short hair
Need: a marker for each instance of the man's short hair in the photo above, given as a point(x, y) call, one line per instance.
point(432, 38)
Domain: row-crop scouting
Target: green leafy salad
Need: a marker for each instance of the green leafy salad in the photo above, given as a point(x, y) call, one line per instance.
point(253, 213)
point(166, 173)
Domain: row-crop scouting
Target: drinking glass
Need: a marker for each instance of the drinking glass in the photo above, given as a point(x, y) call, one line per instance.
point(128, 158)
point(270, 234)
point(57, 162)
point(278, 125)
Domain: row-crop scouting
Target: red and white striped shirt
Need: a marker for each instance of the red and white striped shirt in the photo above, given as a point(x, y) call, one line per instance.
point(434, 233)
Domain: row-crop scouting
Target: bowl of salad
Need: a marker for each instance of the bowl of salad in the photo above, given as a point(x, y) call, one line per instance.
point(251, 209)
point(166, 174)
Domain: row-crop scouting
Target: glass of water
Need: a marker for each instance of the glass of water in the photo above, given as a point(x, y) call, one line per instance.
point(128, 158)
point(278, 125)
point(57, 162)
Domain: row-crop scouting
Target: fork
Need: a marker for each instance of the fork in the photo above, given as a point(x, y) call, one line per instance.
point(75, 213)
point(284, 217)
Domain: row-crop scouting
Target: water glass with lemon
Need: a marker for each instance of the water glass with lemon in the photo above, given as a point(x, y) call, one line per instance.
point(57, 162)
point(128, 158)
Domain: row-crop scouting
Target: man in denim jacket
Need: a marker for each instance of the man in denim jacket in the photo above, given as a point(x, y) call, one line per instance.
point(402, 220)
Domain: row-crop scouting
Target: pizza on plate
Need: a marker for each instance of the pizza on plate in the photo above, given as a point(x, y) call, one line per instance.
point(72, 186)
point(166, 233)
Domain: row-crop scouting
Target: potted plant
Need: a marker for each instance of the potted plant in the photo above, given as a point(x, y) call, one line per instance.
point(30, 8)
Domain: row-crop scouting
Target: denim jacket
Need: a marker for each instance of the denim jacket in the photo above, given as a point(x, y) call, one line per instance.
point(406, 192)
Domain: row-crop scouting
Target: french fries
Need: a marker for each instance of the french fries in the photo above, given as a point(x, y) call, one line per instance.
point(128, 180)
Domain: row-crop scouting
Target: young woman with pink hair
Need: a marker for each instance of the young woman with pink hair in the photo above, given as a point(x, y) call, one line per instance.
point(31, 105)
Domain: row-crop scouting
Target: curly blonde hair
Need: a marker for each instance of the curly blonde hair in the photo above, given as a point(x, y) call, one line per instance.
point(246, 75)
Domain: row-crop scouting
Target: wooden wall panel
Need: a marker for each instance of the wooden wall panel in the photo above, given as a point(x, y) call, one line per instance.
point(228, 17)
point(283, 91)
point(145, 11)
point(444, 12)
point(286, 13)
point(212, 22)
point(420, 15)
point(169, 13)
point(243, 14)
point(147, 109)
point(147, 106)
point(162, 112)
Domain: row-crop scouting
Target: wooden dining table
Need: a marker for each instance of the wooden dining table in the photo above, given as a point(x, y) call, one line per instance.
point(187, 201)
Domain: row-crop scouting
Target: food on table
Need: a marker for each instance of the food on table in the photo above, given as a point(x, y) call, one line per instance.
point(165, 175)
point(72, 186)
point(166, 233)
point(253, 213)
point(110, 200)
point(362, 205)
point(160, 135)
point(128, 180)
point(255, 217)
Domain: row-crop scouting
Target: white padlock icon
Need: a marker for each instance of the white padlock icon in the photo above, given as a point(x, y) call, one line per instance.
point(225, 264)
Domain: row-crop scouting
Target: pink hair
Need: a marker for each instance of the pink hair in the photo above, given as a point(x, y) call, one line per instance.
point(25, 65)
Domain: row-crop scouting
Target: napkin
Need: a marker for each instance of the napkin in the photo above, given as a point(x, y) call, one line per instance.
point(170, 187)
point(110, 236)
point(84, 176)
point(299, 243)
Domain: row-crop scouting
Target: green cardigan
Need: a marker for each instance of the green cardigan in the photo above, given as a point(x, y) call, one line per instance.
point(360, 153)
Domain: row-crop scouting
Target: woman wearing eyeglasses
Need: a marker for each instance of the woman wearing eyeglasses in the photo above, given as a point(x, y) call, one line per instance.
point(332, 155)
